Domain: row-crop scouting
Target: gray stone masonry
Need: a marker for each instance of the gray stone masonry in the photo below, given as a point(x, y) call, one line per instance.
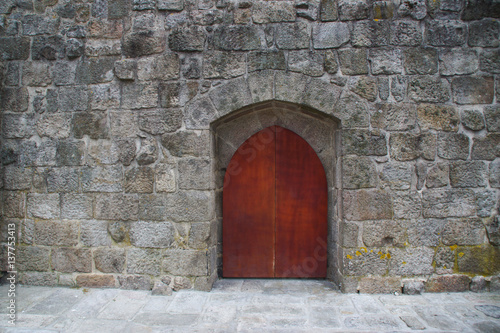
point(119, 118)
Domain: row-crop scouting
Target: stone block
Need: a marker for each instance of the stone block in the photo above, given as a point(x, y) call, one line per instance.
point(453, 146)
point(73, 98)
point(102, 47)
point(96, 70)
point(161, 289)
point(359, 172)
point(109, 260)
point(39, 25)
point(379, 285)
point(196, 174)
point(76, 206)
point(39, 279)
point(14, 48)
point(103, 152)
point(273, 12)
point(486, 200)
point(331, 62)
point(425, 232)
point(398, 87)
point(370, 33)
point(361, 262)
point(398, 176)
point(353, 61)
point(75, 48)
point(445, 259)
point(148, 152)
point(160, 121)
point(364, 86)
point(125, 69)
point(428, 89)
point(322, 95)
point(188, 143)
point(102, 179)
point(135, 282)
point(438, 175)
point(48, 48)
point(63, 179)
point(352, 111)
point(261, 85)
point(350, 235)
point(170, 5)
point(468, 174)
point(187, 39)
point(70, 260)
point(32, 258)
point(165, 178)
point(486, 148)
point(152, 234)
point(437, 117)
point(96, 281)
point(43, 206)
point(448, 203)
point(70, 152)
point(363, 142)
point(237, 38)
point(478, 284)
point(407, 146)
point(223, 65)
point(14, 204)
point(458, 62)
point(483, 260)
point(144, 261)
point(94, 233)
point(191, 67)
point(413, 287)
point(489, 61)
point(384, 233)
point(328, 10)
point(416, 9)
point(139, 180)
point(161, 67)
point(447, 283)
point(17, 178)
point(105, 97)
point(367, 205)
point(421, 61)
point(142, 43)
point(284, 80)
point(290, 36)
point(122, 207)
point(405, 33)
point(411, 261)
point(199, 114)
point(185, 262)
point(445, 33)
point(139, 96)
point(152, 207)
point(484, 33)
point(14, 99)
point(190, 206)
point(306, 62)
point(492, 116)
point(18, 126)
point(199, 235)
point(352, 10)
point(54, 125)
point(393, 117)
point(118, 230)
point(407, 205)
point(124, 124)
point(495, 174)
point(468, 231)
point(231, 96)
point(473, 90)
point(330, 35)
point(37, 74)
point(473, 119)
point(64, 233)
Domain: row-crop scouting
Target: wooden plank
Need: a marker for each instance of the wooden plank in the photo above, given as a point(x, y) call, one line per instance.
point(249, 209)
point(301, 210)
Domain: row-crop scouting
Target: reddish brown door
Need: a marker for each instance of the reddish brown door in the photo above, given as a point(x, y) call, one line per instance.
point(274, 208)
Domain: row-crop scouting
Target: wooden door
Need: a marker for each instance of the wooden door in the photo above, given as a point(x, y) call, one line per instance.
point(274, 208)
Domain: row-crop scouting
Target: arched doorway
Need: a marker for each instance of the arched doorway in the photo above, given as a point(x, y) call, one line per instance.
point(275, 206)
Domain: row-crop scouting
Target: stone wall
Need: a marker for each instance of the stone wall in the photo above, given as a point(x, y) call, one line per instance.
point(113, 112)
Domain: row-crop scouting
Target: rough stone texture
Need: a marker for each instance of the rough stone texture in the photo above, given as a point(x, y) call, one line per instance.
point(330, 35)
point(188, 262)
point(453, 146)
point(428, 89)
point(116, 207)
point(386, 61)
point(359, 172)
point(421, 60)
point(364, 262)
point(367, 205)
point(96, 281)
point(383, 233)
point(447, 283)
point(458, 62)
point(468, 174)
point(492, 116)
point(438, 176)
point(483, 260)
point(380, 285)
point(411, 261)
point(353, 61)
point(291, 36)
point(486, 148)
point(407, 147)
point(143, 261)
point(437, 117)
point(135, 282)
point(152, 234)
point(109, 260)
point(473, 90)
point(364, 142)
point(463, 232)
point(69, 260)
point(448, 203)
point(484, 33)
point(393, 117)
point(473, 120)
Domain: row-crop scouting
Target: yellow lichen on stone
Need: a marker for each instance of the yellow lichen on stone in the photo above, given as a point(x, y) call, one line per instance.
point(453, 247)
point(358, 253)
point(348, 256)
point(461, 254)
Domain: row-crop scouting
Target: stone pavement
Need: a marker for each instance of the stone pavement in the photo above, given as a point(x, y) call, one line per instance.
point(248, 305)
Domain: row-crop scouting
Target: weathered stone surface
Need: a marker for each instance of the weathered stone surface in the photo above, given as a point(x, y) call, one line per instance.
point(144, 261)
point(148, 152)
point(160, 121)
point(39, 279)
point(261, 86)
point(199, 206)
point(411, 261)
point(39, 25)
point(17, 126)
point(330, 35)
point(362, 263)
point(152, 207)
point(425, 232)
point(223, 65)
point(445, 33)
point(14, 204)
point(306, 62)
point(14, 99)
point(70, 260)
point(380, 285)
point(76, 206)
point(398, 87)
point(96, 281)
point(486, 148)
point(102, 179)
point(93, 124)
point(36, 74)
point(489, 61)
point(463, 232)
point(171, 5)
point(486, 201)
point(32, 258)
point(70, 152)
point(484, 260)
point(448, 203)
point(135, 282)
point(199, 235)
point(472, 119)
point(187, 39)
point(458, 62)
point(273, 12)
point(428, 89)
point(117, 207)
point(231, 96)
point(353, 61)
point(291, 36)
point(367, 205)
point(125, 69)
point(453, 146)
point(495, 173)
point(407, 147)
point(353, 111)
point(359, 172)
point(109, 260)
point(162, 67)
point(104, 96)
point(383, 233)
point(438, 176)
point(282, 82)
point(350, 233)
point(478, 284)
point(363, 142)
point(421, 60)
point(393, 117)
point(350, 10)
point(142, 43)
point(165, 178)
point(365, 87)
point(161, 289)
point(405, 33)
point(43, 206)
point(473, 90)
point(63, 233)
point(73, 98)
point(407, 205)
point(468, 174)
point(370, 33)
point(139, 96)
point(198, 115)
point(187, 143)
point(95, 70)
point(14, 48)
point(398, 176)
point(484, 33)
point(195, 175)
point(237, 38)
point(412, 287)
point(54, 125)
point(445, 260)
point(437, 117)
point(261, 60)
point(152, 234)
point(63, 179)
point(447, 283)
point(185, 262)
point(139, 180)
point(416, 9)
point(118, 230)
point(492, 116)
point(331, 62)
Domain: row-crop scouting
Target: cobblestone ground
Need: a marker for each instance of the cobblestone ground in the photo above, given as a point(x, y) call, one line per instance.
point(248, 305)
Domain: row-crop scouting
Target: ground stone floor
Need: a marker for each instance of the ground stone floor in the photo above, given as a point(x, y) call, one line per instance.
point(236, 305)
